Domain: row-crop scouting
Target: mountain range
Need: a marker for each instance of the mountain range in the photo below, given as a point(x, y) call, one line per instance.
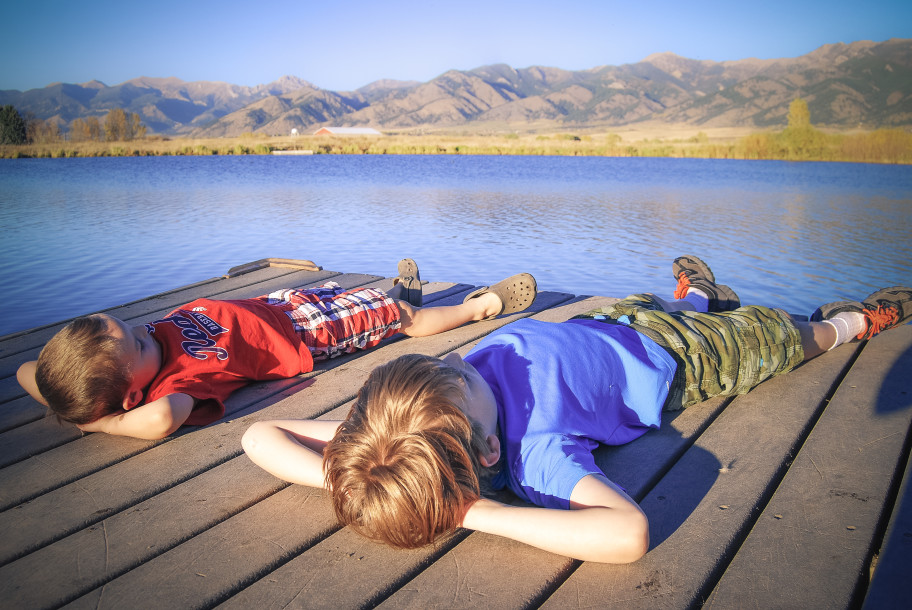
point(861, 84)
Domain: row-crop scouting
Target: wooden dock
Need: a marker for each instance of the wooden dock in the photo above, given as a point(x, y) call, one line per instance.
point(791, 496)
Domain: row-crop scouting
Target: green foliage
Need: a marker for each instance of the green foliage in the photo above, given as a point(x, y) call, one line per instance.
point(800, 140)
point(799, 116)
point(12, 126)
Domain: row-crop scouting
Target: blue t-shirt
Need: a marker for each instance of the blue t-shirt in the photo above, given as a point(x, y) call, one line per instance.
point(562, 389)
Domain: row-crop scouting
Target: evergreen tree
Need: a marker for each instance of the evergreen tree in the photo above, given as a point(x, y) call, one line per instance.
point(12, 126)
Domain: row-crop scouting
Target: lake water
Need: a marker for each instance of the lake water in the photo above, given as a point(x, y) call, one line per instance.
point(79, 235)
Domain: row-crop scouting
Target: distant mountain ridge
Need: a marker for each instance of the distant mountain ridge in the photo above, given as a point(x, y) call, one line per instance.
point(846, 85)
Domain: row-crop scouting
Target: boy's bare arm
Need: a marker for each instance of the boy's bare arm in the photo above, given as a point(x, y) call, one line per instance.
point(603, 525)
point(153, 420)
point(290, 449)
point(25, 375)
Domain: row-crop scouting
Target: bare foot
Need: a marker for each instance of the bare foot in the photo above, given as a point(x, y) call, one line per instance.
point(488, 304)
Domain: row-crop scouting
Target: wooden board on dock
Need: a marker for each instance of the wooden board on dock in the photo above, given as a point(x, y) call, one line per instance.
point(789, 496)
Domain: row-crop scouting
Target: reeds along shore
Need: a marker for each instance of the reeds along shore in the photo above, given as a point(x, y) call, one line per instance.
point(804, 144)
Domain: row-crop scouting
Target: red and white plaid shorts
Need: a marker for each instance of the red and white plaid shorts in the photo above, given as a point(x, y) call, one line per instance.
point(332, 321)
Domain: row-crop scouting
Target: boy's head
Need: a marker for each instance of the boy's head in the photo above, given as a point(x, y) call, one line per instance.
point(94, 366)
point(405, 465)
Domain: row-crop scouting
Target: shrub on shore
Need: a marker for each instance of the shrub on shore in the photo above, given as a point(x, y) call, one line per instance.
point(803, 144)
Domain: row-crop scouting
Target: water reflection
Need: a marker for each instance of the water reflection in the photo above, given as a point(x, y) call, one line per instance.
point(98, 232)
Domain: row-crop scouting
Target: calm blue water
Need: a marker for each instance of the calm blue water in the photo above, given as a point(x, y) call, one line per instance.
point(80, 235)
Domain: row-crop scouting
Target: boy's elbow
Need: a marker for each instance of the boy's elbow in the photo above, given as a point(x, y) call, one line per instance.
point(627, 545)
point(161, 420)
point(160, 425)
point(636, 542)
point(640, 545)
point(250, 441)
point(164, 416)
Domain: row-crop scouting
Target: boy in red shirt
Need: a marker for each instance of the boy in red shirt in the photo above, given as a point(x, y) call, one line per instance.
point(148, 380)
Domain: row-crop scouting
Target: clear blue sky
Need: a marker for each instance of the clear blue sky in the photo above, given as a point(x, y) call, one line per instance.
point(343, 45)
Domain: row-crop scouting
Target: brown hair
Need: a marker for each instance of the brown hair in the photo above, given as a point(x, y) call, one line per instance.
point(81, 371)
point(404, 466)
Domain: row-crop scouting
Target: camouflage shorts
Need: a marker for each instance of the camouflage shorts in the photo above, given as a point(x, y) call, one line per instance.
point(718, 354)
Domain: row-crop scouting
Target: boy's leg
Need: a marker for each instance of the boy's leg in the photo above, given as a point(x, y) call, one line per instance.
point(407, 287)
point(717, 354)
point(816, 337)
point(886, 308)
point(696, 291)
point(689, 304)
point(424, 321)
point(511, 295)
point(697, 285)
point(727, 353)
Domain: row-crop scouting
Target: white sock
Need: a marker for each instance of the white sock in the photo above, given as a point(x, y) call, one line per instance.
point(842, 331)
point(848, 325)
point(856, 321)
point(697, 298)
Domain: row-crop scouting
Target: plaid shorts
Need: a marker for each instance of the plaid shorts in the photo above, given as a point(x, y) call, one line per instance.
point(718, 354)
point(332, 321)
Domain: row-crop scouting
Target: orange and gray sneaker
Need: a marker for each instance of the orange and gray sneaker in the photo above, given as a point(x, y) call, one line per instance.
point(886, 308)
point(692, 272)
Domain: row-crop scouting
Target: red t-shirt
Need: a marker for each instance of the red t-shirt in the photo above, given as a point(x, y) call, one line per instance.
point(211, 348)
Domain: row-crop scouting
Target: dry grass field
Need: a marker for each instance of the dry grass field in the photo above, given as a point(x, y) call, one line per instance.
point(881, 146)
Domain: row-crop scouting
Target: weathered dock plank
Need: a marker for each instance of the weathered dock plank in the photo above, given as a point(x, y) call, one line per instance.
point(890, 584)
point(744, 496)
point(812, 543)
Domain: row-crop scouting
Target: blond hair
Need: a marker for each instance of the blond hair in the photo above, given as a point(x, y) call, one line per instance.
point(82, 373)
point(404, 466)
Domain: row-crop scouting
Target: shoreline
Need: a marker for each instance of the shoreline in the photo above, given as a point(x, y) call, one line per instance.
point(885, 146)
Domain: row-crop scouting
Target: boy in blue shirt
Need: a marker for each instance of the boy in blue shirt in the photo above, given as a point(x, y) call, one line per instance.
point(530, 402)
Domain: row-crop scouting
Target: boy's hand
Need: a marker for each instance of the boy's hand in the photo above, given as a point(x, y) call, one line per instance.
point(96, 426)
point(153, 420)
